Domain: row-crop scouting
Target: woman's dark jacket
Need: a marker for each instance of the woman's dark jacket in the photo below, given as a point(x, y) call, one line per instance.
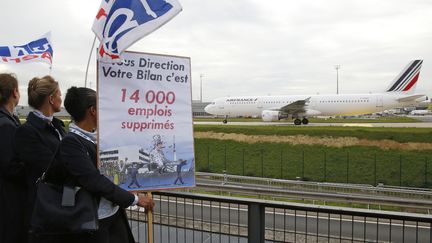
point(12, 186)
point(36, 143)
point(76, 164)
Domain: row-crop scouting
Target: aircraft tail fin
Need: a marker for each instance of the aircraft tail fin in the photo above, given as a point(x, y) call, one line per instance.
point(406, 81)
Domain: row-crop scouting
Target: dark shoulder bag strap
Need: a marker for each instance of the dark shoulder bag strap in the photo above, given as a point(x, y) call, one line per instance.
point(43, 176)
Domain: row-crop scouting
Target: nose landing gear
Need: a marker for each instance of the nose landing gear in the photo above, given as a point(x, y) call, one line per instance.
point(225, 121)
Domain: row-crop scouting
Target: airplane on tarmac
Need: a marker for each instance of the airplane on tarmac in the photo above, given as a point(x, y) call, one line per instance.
point(400, 93)
point(419, 112)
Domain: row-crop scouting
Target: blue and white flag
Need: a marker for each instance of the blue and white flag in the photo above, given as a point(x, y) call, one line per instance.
point(39, 50)
point(120, 23)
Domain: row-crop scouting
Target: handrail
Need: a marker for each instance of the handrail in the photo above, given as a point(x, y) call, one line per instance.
point(304, 207)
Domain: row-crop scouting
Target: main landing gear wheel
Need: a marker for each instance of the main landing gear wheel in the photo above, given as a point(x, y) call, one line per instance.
point(305, 121)
point(297, 122)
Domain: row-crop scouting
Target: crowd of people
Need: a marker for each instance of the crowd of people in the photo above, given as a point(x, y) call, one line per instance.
point(114, 170)
point(26, 151)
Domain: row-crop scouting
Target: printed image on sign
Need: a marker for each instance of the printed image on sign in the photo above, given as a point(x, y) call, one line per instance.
point(145, 122)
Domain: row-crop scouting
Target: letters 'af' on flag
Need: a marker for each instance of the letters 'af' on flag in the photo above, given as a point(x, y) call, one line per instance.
point(39, 50)
point(120, 23)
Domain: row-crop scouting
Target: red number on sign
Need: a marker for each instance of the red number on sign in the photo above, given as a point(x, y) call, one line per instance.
point(123, 95)
point(170, 97)
point(135, 96)
point(150, 96)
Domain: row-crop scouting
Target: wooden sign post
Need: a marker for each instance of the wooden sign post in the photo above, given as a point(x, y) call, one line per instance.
point(150, 222)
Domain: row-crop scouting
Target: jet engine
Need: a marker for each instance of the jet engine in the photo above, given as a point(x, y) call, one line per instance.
point(269, 116)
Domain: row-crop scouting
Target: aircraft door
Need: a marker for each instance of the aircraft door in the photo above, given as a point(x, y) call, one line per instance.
point(312, 104)
point(379, 101)
point(221, 105)
point(224, 108)
point(259, 104)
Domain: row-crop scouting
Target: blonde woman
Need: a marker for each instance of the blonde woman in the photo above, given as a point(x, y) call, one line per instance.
point(38, 138)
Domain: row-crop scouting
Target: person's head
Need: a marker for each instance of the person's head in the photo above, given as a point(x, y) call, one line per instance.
point(44, 91)
point(81, 104)
point(159, 145)
point(8, 89)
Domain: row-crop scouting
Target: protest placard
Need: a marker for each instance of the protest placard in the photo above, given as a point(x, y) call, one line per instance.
point(145, 122)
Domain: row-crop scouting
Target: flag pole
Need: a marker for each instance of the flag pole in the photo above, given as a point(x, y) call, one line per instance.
point(88, 62)
point(149, 222)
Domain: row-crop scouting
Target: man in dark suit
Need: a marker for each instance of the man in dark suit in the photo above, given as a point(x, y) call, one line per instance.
point(181, 163)
point(133, 171)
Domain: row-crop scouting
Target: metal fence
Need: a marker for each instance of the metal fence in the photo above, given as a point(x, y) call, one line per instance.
point(402, 199)
point(185, 217)
point(343, 166)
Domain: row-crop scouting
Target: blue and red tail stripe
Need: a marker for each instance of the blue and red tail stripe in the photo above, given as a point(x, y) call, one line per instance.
point(408, 78)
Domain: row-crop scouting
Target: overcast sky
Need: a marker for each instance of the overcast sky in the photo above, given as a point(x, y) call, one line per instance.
point(245, 47)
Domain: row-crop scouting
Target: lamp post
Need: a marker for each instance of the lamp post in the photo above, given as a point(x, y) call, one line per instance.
point(88, 61)
point(337, 67)
point(201, 76)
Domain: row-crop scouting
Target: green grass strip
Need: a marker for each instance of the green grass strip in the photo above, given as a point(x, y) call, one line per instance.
point(373, 133)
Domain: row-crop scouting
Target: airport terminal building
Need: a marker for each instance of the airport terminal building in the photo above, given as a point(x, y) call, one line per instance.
point(198, 109)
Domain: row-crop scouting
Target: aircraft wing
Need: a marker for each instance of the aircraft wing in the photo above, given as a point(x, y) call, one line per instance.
point(295, 107)
point(410, 98)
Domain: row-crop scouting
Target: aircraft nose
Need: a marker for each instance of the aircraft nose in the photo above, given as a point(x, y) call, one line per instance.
point(207, 108)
